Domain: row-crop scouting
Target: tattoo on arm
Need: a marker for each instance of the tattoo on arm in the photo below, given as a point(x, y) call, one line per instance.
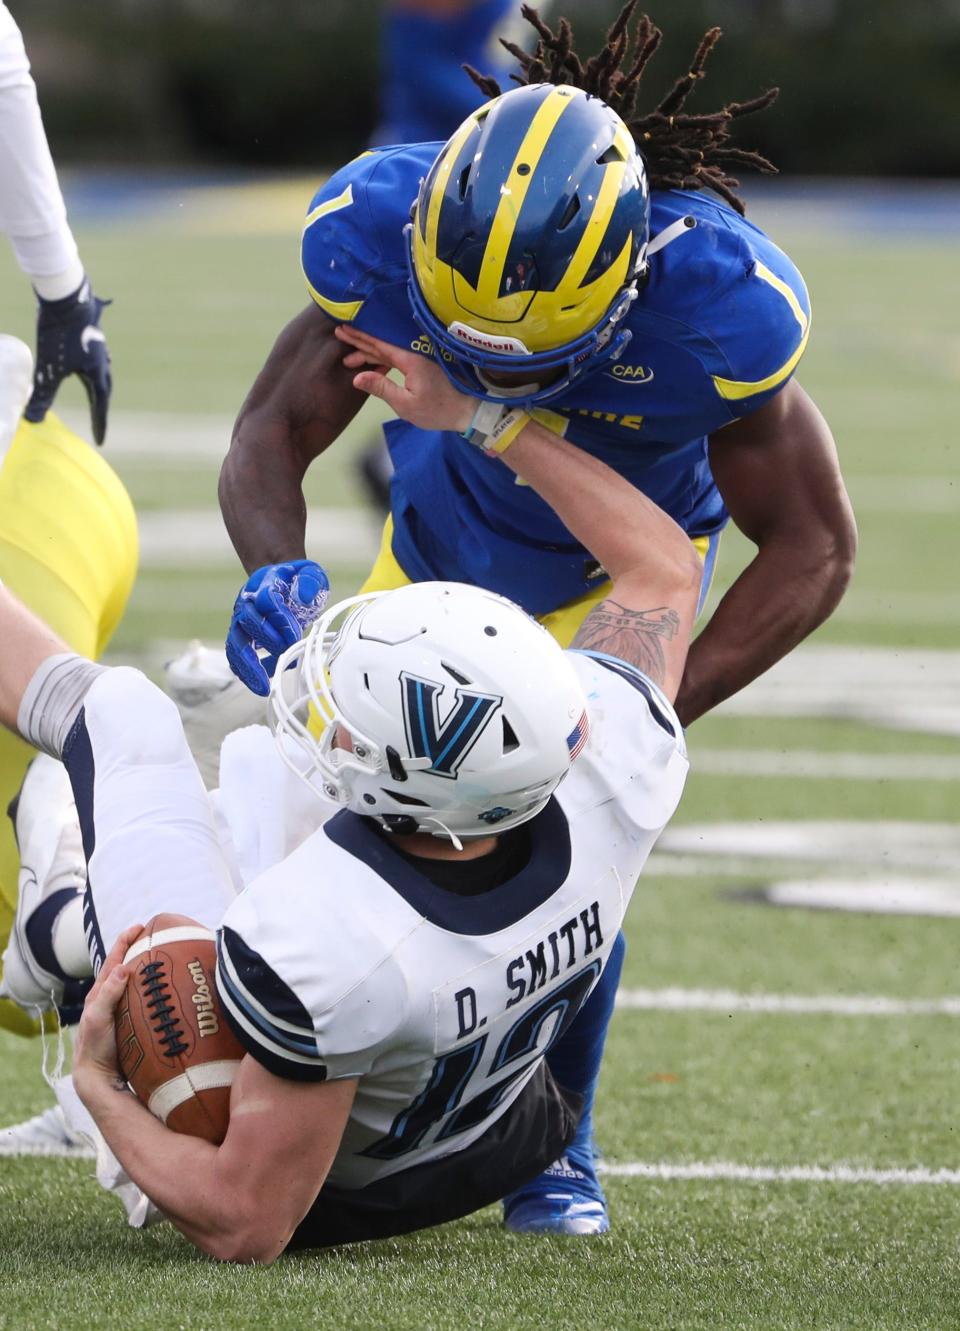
point(635, 636)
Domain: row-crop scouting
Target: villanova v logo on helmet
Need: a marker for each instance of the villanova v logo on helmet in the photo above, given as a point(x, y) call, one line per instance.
point(446, 743)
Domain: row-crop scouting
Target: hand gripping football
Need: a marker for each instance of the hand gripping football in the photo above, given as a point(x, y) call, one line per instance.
point(173, 1043)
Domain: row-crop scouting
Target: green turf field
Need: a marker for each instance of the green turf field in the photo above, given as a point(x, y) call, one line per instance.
point(756, 1041)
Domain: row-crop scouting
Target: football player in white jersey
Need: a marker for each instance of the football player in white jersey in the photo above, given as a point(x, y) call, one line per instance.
point(399, 978)
point(33, 215)
point(68, 537)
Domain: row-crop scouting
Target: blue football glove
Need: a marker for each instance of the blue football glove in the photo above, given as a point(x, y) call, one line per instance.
point(69, 341)
point(275, 605)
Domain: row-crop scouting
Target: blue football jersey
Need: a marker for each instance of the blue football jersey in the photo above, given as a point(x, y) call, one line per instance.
point(717, 330)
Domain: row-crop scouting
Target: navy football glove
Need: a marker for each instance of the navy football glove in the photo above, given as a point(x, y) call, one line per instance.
point(275, 605)
point(69, 341)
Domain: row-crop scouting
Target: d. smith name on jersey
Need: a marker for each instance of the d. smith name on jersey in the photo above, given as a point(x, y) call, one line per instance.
point(560, 950)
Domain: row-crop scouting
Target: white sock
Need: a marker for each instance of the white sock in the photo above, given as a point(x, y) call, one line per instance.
point(52, 700)
point(69, 941)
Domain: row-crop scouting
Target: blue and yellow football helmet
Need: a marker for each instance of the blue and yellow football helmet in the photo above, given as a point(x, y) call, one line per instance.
point(528, 236)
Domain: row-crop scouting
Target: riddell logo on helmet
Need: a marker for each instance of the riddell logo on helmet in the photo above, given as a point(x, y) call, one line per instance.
point(506, 346)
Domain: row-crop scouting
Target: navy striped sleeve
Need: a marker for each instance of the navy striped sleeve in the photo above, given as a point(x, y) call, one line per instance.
point(78, 760)
point(264, 1013)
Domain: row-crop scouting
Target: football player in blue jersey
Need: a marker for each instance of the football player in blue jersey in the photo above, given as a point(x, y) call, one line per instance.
point(559, 256)
point(424, 46)
point(568, 259)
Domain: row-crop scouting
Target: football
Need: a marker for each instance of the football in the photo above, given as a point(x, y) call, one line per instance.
point(174, 1046)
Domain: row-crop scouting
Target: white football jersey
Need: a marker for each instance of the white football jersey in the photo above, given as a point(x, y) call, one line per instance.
point(345, 961)
point(155, 839)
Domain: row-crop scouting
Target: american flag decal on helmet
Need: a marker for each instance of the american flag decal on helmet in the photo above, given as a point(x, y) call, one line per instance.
point(578, 736)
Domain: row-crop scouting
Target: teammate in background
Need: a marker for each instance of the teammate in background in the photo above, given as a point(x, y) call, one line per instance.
point(68, 548)
point(68, 543)
point(408, 981)
point(424, 46)
point(33, 215)
point(565, 260)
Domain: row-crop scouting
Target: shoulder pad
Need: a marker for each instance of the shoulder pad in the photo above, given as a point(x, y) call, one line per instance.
point(352, 242)
point(728, 295)
point(312, 990)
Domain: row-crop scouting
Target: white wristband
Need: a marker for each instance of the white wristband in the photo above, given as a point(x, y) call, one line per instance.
point(484, 422)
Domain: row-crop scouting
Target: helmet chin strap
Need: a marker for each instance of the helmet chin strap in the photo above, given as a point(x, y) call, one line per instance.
point(670, 233)
point(401, 824)
point(444, 831)
point(515, 390)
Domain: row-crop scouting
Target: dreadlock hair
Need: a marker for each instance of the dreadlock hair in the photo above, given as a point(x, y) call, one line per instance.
point(681, 151)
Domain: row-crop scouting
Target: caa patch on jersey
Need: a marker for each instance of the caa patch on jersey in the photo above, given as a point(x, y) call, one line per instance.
point(174, 1047)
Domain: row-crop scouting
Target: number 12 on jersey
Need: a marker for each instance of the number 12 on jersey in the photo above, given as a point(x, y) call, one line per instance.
point(449, 1094)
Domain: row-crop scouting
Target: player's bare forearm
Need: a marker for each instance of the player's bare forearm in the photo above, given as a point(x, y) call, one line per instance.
point(621, 527)
point(210, 1193)
point(618, 524)
point(778, 600)
point(641, 637)
point(175, 1171)
point(299, 404)
point(240, 1201)
point(648, 617)
point(178, 1173)
point(656, 576)
point(27, 642)
point(261, 495)
point(778, 473)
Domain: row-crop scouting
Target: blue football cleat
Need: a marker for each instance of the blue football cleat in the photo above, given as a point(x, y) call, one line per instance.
point(564, 1199)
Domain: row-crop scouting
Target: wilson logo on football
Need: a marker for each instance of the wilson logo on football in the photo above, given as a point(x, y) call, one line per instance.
point(208, 1022)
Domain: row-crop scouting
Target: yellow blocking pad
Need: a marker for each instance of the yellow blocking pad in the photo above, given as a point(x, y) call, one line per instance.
point(68, 549)
point(386, 575)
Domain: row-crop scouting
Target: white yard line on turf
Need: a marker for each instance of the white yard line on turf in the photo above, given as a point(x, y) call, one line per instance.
point(897, 494)
point(172, 538)
point(203, 437)
point(884, 606)
point(11, 1146)
point(162, 435)
point(722, 1169)
point(826, 764)
point(868, 845)
point(189, 438)
point(895, 687)
point(840, 1005)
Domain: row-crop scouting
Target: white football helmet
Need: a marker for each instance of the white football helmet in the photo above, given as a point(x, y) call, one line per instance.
point(463, 713)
